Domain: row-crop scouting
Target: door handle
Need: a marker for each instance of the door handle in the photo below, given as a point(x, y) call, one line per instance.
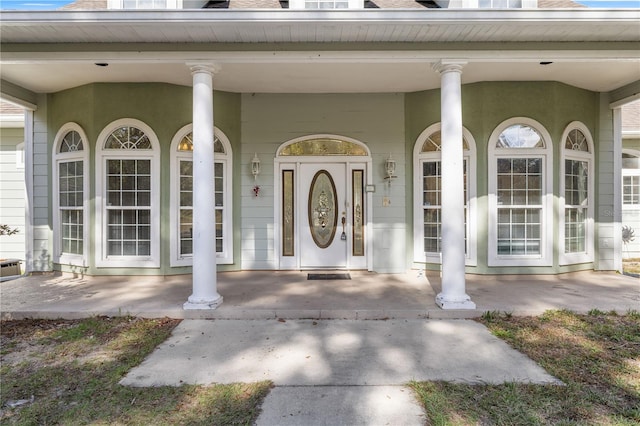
point(344, 221)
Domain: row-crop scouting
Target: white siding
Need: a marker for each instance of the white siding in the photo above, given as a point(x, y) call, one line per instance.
point(12, 200)
point(608, 227)
point(631, 218)
point(269, 120)
point(40, 196)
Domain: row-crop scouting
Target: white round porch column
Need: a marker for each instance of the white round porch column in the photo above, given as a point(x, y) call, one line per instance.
point(205, 293)
point(453, 295)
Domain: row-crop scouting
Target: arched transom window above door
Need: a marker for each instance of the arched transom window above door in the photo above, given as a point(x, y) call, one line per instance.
point(323, 146)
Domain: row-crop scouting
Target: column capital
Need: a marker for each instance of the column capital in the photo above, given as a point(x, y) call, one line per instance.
point(449, 65)
point(203, 67)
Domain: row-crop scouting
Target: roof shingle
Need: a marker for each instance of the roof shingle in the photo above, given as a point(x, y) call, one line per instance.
point(10, 109)
point(559, 4)
point(86, 5)
point(631, 117)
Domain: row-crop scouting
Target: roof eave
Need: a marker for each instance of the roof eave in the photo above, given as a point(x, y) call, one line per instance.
point(418, 16)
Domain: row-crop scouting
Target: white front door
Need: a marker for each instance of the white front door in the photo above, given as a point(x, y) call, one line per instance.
point(323, 213)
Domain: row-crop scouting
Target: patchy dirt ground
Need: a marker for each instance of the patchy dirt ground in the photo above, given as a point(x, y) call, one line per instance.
point(631, 266)
point(68, 372)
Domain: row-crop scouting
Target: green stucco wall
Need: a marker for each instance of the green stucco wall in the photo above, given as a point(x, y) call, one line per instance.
point(484, 107)
point(166, 109)
point(386, 123)
point(377, 120)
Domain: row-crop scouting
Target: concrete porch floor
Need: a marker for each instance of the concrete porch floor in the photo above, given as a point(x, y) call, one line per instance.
point(289, 295)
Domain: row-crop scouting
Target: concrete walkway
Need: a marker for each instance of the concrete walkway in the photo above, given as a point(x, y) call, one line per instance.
point(289, 295)
point(339, 372)
point(335, 372)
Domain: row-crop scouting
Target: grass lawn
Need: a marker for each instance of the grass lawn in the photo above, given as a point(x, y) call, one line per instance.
point(631, 266)
point(597, 357)
point(67, 372)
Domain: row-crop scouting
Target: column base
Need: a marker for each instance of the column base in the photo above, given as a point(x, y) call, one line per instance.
point(191, 304)
point(454, 302)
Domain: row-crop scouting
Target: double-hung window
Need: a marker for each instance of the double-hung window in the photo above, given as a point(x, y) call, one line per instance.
point(182, 198)
point(128, 205)
point(70, 189)
point(428, 196)
point(630, 202)
point(520, 195)
point(631, 180)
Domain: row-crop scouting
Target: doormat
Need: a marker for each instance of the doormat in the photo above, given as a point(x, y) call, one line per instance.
point(328, 276)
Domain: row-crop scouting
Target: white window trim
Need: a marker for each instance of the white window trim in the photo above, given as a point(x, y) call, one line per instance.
point(474, 4)
point(102, 155)
point(119, 4)
point(419, 254)
point(293, 163)
point(226, 256)
point(630, 172)
point(587, 255)
point(58, 256)
point(20, 156)
point(299, 4)
point(545, 258)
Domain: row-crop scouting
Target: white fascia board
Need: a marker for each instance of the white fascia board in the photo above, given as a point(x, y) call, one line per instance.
point(358, 56)
point(624, 101)
point(567, 16)
point(452, 4)
point(18, 101)
point(11, 121)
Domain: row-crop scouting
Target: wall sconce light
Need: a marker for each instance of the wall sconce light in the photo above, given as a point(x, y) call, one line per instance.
point(255, 166)
point(390, 167)
point(255, 171)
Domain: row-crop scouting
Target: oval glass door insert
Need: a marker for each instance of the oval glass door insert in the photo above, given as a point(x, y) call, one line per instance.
point(323, 214)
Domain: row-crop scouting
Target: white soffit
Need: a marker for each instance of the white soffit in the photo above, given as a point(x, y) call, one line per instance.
point(36, 53)
point(292, 26)
point(321, 77)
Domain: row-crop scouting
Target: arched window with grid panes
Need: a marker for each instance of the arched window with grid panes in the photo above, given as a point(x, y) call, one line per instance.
point(520, 194)
point(70, 191)
point(427, 196)
point(182, 197)
point(576, 191)
point(128, 196)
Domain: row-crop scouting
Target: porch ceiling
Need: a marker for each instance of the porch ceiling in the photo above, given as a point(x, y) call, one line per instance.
point(320, 52)
point(319, 77)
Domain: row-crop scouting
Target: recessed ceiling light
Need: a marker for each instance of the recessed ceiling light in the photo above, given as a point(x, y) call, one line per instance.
point(102, 64)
